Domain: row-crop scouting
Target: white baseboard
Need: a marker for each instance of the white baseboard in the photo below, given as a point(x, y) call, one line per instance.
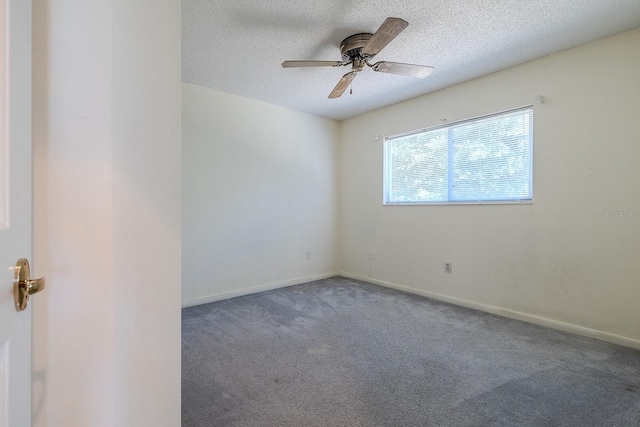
point(255, 289)
point(555, 324)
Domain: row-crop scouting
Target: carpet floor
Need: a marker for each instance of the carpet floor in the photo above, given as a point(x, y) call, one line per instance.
point(340, 352)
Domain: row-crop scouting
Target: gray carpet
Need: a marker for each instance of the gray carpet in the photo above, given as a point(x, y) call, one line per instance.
point(339, 352)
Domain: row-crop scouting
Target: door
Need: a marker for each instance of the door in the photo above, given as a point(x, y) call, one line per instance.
point(15, 208)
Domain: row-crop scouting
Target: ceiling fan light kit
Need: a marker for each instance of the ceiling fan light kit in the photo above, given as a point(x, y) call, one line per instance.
point(357, 50)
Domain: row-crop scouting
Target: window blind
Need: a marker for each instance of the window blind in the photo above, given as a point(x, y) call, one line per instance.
point(483, 159)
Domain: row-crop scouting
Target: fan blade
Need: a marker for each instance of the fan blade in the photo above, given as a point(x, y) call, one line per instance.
point(342, 85)
point(410, 70)
point(294, 64)
point(388, 31)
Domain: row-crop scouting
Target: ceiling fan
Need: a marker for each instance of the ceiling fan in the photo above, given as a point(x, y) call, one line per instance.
point(359, 48)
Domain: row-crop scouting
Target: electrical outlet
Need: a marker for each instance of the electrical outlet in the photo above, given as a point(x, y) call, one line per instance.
point(447, 267)
point(308, 254)
point(371, 255)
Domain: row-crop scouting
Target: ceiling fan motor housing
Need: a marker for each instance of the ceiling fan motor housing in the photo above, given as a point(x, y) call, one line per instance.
point(351, 47)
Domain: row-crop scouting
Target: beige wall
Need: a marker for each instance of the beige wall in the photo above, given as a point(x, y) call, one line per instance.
point(259, 190)
point(106, 149)
point(558, 261)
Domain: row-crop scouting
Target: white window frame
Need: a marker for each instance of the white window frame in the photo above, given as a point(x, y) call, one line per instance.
point(387, 167)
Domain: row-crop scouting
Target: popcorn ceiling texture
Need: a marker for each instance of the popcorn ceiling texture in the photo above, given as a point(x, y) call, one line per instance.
point(238, 46)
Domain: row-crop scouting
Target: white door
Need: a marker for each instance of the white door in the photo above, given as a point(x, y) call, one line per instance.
point(15, 208)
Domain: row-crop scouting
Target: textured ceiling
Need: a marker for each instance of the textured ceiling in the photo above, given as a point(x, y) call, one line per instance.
point(238, 46)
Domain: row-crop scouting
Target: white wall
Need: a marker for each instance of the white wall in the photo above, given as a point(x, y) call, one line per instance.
point(146, 155)
point(556, 260)
point(106, 141)
point(259, 190)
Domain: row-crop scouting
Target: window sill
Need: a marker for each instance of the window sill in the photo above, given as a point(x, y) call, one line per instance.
point(485, 202)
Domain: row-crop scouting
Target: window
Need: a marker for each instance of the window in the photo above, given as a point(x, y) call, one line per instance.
point(482, 160)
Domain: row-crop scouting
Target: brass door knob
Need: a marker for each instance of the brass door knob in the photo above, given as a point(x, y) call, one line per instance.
point(23, 286)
